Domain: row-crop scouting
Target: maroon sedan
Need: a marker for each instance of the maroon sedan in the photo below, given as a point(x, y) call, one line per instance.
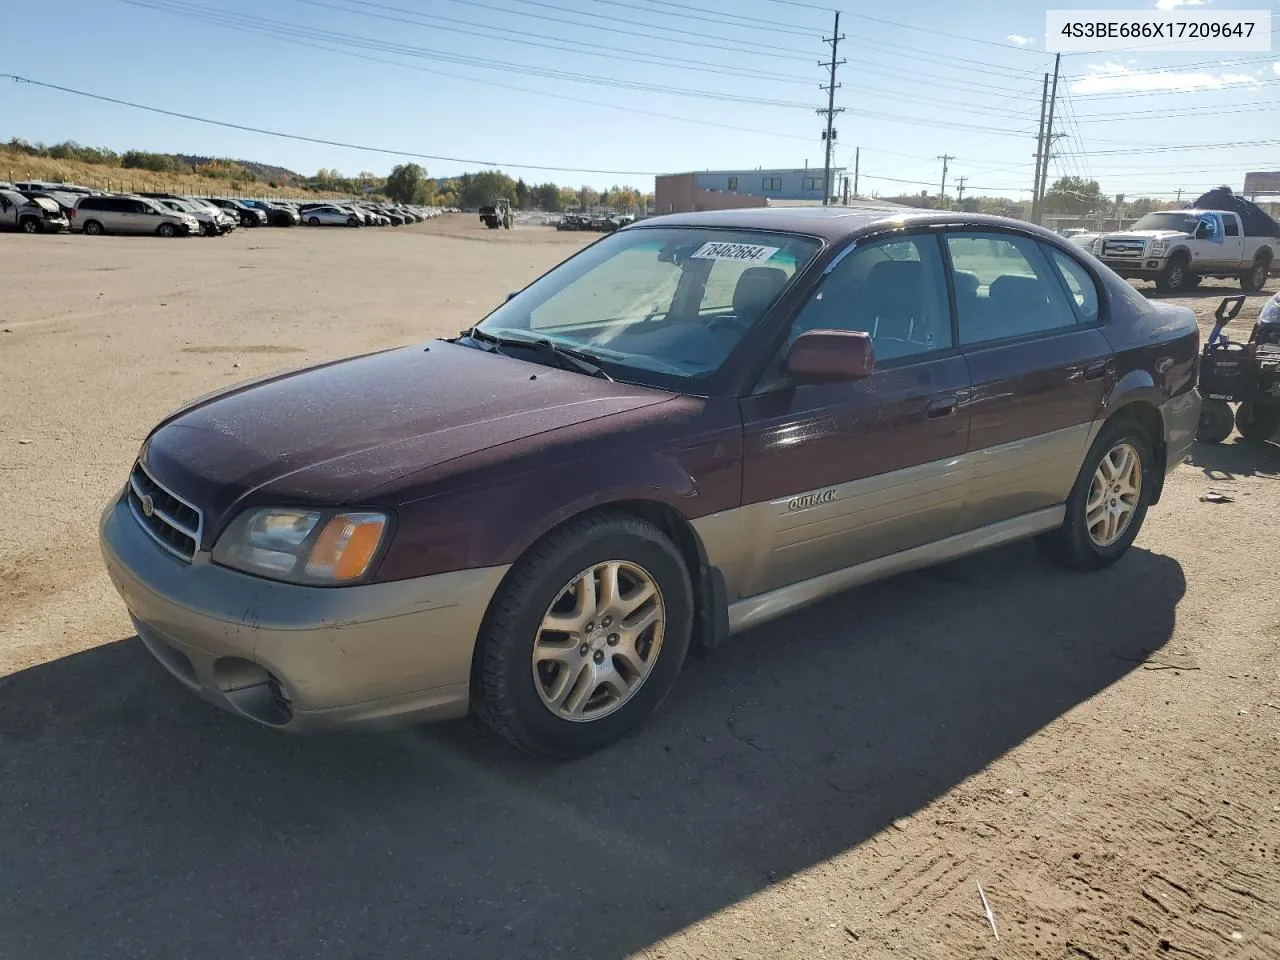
point(694, 425)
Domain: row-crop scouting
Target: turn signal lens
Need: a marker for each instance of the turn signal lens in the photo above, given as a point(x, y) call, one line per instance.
point(346, 546)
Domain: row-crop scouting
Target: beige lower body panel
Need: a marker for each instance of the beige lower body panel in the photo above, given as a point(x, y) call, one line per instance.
point(766, 606)
point(773, 546)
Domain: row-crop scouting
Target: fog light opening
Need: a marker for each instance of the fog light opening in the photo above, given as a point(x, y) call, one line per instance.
point(254, 691)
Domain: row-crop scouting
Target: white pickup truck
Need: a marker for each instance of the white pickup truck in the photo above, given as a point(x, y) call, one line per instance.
point(1176, 248)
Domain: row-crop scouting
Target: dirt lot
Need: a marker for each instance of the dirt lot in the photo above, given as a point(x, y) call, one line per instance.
point(1099, 752)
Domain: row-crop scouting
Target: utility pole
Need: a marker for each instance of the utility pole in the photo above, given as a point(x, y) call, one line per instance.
point(846, 190)
point(942, 192)
point(960, 190)
point(829, 134)
point(857, 155)
point(1035, 187)
point(1048, 136)
point(1179, 196)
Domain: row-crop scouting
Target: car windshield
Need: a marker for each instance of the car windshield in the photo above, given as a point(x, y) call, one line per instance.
point(1173, 220)
point(674, 301)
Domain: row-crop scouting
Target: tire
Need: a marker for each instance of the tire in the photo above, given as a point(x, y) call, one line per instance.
point(314, 221)
point(1257, 424)
point(353, 222)
point(1073, 544)
point(93, 228)
point(31, 225)
point(1173, 278)
point(1192, 281)
point(1217, 420)
point(512, 695)
point(166, 230)
point(1255, 278)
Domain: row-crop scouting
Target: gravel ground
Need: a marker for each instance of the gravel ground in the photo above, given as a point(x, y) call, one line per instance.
point(1099, 752)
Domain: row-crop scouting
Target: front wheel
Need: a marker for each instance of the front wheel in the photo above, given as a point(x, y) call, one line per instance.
point(585, 636)
point(30, 225)
point(166, 230)
point(1108, 502)
point(1173, 278)
point(1255, 278)
point(1216, 421)
point(1257, 423)
point(353, 222)
point(313, 221)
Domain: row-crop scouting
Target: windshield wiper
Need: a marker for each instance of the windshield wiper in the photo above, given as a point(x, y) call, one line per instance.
point(553, 354)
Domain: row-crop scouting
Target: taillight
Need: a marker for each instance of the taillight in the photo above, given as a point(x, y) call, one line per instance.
point(71, 214)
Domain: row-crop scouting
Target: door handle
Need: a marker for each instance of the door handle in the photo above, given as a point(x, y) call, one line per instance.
point(942, 407)
point(1096, 371)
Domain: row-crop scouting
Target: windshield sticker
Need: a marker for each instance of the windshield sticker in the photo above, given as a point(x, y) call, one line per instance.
point(739, 252)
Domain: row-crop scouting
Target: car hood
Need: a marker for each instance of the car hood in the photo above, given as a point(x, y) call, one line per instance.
point(333, 433)
point(1148, 235)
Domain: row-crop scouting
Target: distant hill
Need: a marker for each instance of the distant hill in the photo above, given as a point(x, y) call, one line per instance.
point(264, 171)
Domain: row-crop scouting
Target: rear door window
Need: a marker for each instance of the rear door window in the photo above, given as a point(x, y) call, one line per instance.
point(1079, 282)
point(1005, 288)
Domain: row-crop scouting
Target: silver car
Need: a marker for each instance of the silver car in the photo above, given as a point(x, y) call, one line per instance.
point(129, 214)
point(331, 217)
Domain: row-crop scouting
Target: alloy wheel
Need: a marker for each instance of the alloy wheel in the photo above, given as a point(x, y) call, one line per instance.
point(1114, 494)
point(599, 640)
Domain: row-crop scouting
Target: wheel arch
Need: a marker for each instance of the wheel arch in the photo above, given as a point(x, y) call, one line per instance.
point(711, 606)
point(1143, 409)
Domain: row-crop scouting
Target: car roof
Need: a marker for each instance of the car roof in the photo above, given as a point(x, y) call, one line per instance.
point(834, 223)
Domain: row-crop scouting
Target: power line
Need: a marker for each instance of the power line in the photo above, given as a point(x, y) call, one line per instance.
point(276, 28)
point(523, 38)
point(690, 12)
point(305, 139)
point(789, 52)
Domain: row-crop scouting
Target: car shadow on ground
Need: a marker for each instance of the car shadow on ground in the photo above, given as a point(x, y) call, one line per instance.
point(140, 822)
point(1235, 459)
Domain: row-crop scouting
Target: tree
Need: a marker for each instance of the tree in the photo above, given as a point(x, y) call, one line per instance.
point(1073, 195)
point(568, 198)
point(404, 181)
point(547, 197)
point(588, 198)
point(480, 189)
point(524, 196)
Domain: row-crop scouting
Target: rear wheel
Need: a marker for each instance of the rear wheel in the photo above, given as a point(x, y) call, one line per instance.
point(1255, 278)
point(1108, 502)
point(1257, 423)
point(93, 228)
point(1216, 421)
point(1173, 278)
point(585, 636)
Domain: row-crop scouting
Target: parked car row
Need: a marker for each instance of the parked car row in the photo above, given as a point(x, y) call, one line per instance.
point(38, 207)
point(600, 223)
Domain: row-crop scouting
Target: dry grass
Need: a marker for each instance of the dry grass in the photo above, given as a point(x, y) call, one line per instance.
point(20, 166)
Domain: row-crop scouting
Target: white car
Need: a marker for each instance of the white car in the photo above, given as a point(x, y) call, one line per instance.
point(210, 225)
point(330, 217)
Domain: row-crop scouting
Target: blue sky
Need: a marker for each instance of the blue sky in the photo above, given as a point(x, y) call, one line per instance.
point(504, 81)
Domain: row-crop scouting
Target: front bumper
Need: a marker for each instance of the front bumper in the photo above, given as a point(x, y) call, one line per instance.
point(1147, 268)
point(1181, 415)
point(301, 658)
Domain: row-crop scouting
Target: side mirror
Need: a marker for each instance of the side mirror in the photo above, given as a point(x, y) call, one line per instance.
point(831, 355)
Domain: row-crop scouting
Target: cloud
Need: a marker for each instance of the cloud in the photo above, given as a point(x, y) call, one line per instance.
point(1276, 67)
point(1115, 78)
point(1175, 4)
point(1020, 40)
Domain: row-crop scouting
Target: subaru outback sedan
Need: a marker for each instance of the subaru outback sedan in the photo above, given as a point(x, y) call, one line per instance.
point(696, 424)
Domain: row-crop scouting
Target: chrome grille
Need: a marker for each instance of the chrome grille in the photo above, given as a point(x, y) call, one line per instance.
point(1123, 248)
point(171, 521)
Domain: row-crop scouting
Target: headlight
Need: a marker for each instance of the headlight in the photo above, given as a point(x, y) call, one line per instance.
point(1159, 248)
point(315, 547)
